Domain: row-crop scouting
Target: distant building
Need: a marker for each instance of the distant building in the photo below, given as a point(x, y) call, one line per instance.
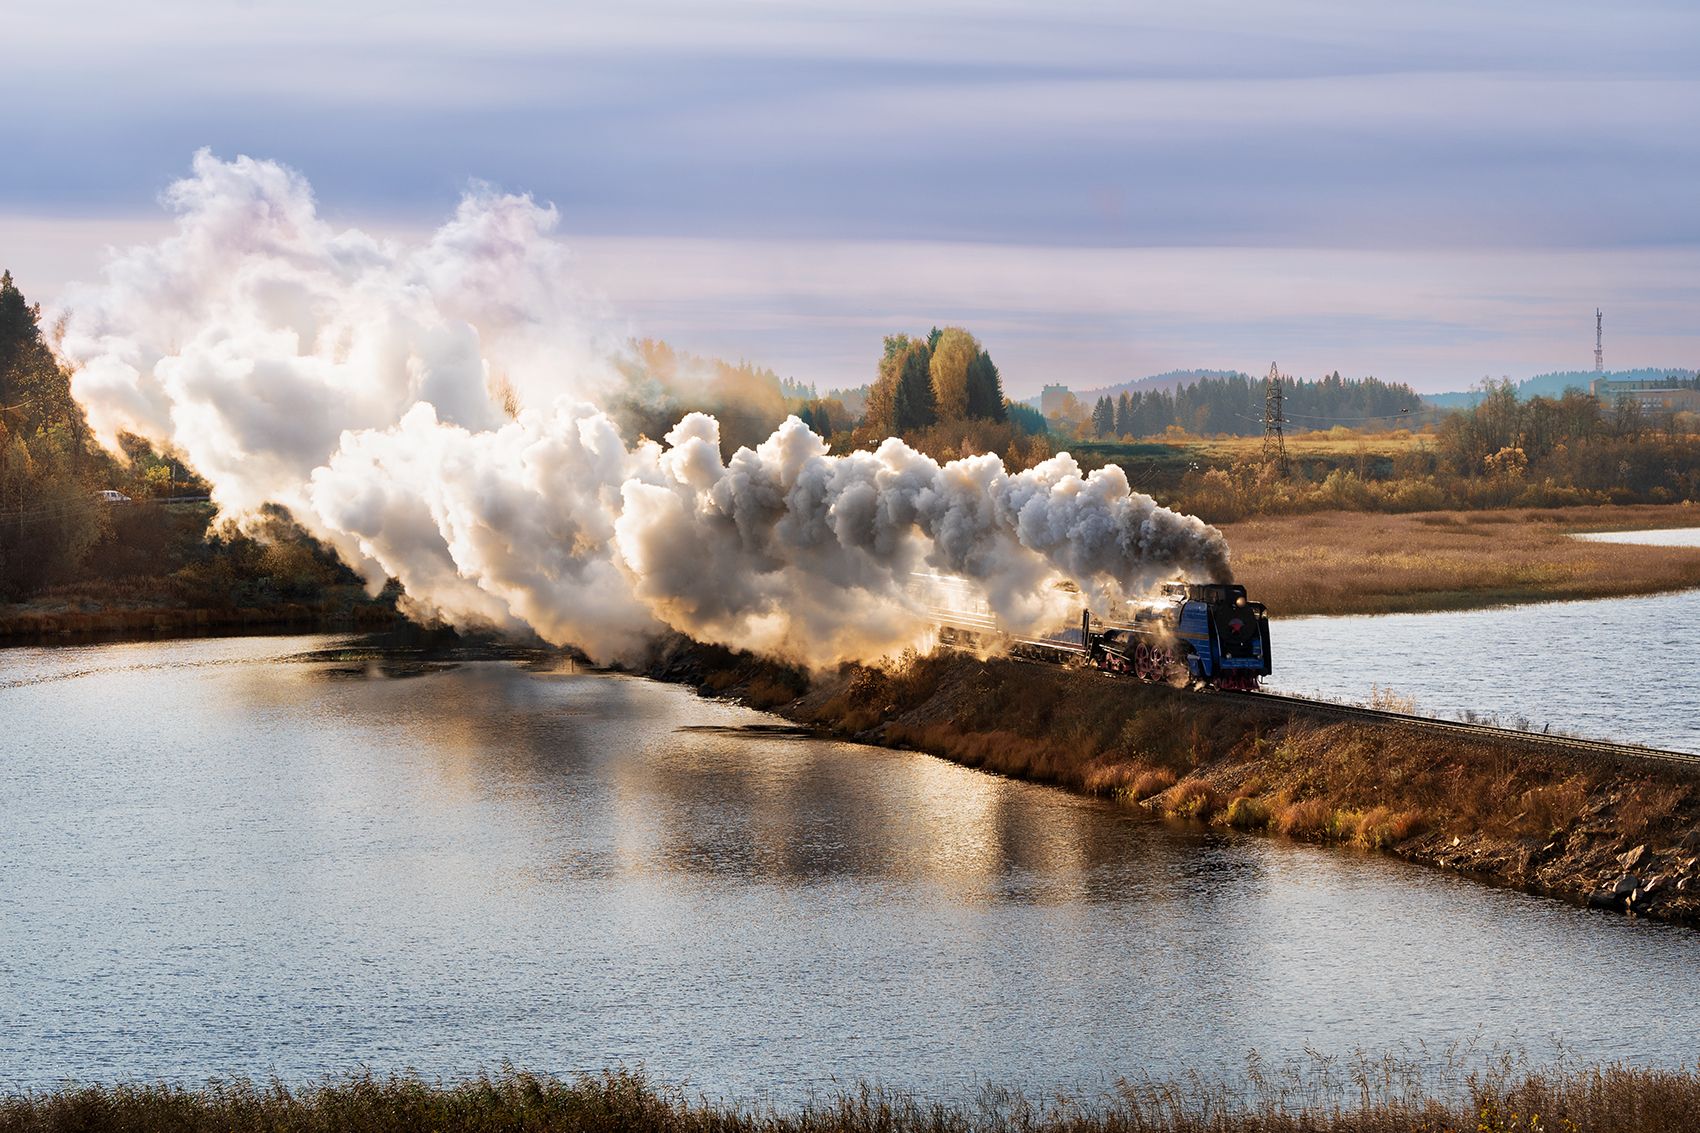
point(1650, 394)
point(1052, 400)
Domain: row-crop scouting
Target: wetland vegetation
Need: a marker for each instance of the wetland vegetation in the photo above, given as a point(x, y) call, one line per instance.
point(1365, 1096)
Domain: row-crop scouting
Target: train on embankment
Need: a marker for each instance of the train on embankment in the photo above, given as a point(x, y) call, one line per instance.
point(1207, 634)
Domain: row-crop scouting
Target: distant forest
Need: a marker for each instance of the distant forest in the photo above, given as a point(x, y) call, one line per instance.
point(1234, 405)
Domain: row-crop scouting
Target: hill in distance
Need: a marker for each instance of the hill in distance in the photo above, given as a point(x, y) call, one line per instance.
point(1170, 381)
point(1554, 384)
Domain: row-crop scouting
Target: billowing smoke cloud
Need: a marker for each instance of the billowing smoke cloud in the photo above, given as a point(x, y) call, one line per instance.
point(431, 412)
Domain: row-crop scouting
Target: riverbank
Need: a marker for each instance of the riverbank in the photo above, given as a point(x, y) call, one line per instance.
point(1352, 562)
point(1586, 829)
point(1370, 1096)
point(97, 612)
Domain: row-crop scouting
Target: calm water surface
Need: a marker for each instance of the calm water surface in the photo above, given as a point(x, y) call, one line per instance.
point(217, 860)
point(1669, 537)
point(1617, 668)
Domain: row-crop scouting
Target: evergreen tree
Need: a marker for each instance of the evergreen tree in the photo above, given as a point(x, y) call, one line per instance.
point(913, 406)
point(985, 389)
point(1124, 415)
point(1104, 417)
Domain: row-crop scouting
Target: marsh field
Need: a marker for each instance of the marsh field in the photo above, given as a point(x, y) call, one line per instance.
point(1355, 562)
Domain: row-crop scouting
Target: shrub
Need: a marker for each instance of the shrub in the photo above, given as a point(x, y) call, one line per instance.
point(1649, 805)
point(769, 692)
point(1307, 819)
point(1247, 813)
point(1551, 809)
point(1342, 825)
point(1381, 827)
point(1193, 798)
point(1152, 783)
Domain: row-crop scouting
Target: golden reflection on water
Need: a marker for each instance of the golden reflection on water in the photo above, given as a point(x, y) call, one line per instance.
point(560, 751)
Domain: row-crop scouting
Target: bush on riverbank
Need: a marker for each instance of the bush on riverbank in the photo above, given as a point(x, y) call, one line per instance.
point(1366, 1095)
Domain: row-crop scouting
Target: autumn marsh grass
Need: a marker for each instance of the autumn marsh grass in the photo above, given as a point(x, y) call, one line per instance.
point(1386, 1094)
point(1350, 562)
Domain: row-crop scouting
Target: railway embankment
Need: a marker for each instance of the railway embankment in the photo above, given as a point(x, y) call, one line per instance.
point(1586, 826)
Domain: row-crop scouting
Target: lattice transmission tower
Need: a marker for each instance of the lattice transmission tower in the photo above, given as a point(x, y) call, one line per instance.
point(1274, 422)
point(1599, 341)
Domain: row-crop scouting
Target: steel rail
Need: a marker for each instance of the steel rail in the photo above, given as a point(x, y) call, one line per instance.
point(1464, 727)
point(986, 625)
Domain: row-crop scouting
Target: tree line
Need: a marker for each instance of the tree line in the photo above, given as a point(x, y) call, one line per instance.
point(1502, 452)
point(1234, 404)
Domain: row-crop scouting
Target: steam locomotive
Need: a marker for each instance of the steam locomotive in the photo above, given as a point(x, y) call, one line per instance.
point(1208, 632)
point(1205, 633)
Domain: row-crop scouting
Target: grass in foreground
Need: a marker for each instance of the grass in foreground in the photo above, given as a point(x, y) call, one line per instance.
point(1369, 563)
point(1372, 1096)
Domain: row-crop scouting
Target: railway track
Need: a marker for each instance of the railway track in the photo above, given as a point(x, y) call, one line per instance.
point(1044, 649)
point(1485, 731)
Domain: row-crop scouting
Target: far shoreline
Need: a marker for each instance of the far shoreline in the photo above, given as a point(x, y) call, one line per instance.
point(1321, 564)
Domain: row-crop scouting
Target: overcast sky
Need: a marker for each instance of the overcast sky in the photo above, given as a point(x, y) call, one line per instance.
point(1427, 192)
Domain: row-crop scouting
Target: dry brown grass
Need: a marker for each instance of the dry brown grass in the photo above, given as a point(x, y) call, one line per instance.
point(1192, 798)
point(1386, 1094)
point(1152, 783)
point(1248, 812)
point(1382, 827)
point(1650, 808)
point(1308, 819)
point(1366, 563)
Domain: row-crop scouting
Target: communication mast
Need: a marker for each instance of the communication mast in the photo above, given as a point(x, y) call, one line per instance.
point(1274, 421)
point(1599, 341)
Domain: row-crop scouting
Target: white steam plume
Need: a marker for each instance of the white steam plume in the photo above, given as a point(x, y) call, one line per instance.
point(431, 413)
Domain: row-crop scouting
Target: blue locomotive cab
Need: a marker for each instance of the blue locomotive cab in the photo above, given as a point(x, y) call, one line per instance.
point(1205, 632)
point(1224, 636)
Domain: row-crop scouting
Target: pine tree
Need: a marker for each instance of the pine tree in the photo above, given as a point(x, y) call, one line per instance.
point(913, 405)
point(985, 389)
point(1103, 417)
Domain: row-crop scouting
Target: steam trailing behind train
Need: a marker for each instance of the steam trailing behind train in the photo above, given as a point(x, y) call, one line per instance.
point(1208, 634)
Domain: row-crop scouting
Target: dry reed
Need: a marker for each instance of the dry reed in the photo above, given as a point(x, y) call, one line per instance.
point(1369, 563)
point(1388, 1094)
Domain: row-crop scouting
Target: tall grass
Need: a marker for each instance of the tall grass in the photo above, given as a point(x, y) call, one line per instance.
point(1347, 562)
point(1322, 1095)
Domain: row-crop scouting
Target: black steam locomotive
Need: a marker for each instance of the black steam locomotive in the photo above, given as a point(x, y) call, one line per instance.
point(1208, 632)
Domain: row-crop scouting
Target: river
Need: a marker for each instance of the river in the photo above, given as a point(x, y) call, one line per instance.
point(1613, 668)
point(248, 856)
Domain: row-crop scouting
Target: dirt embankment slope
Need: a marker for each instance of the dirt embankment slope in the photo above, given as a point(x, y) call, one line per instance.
point(1585, 828)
